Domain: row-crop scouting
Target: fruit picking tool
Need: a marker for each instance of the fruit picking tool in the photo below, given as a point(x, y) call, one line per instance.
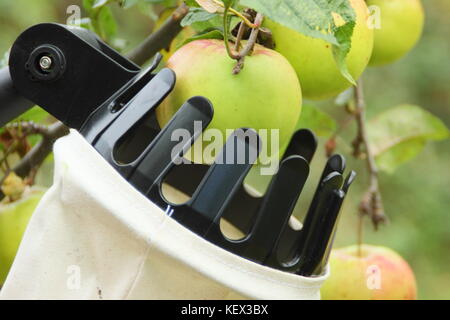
point(89, 87)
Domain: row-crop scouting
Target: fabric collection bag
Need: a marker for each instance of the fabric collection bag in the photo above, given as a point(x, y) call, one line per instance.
point(93, 236)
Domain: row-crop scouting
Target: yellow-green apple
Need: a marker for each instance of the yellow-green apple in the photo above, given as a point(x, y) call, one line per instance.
point(400, 26)
point(265, 94)
point(371, 273)
point(14, 217)
point(313, 59)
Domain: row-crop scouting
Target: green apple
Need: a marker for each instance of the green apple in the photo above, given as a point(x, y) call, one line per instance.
point(266, 94)
point(373, 273)
point(313, 59)
point(401, 24)
point(14, 218)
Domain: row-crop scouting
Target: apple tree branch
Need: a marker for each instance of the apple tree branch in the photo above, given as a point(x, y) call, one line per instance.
point(371, 204)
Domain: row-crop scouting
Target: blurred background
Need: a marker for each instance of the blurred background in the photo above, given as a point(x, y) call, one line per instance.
point(416, 196)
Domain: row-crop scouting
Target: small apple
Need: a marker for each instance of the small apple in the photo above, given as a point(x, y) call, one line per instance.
point(15, 211)
point(401, 24)
point(266, 94)
point(373, 273)
point(313, 59)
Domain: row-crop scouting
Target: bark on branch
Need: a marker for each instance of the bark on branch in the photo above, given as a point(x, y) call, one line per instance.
point(161, 38)
point(40, 151)
point(371, 204)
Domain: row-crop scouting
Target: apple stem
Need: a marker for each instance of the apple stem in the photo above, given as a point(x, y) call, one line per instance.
point(240, 34)
point(248, 48)
point(371, 203)
point(226, 36)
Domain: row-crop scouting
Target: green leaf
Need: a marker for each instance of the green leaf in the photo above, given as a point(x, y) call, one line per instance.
point(313, 18)
point(88, 5)
point(99, 3)
point(399, 154)
point(312, 118)
point(196, 15)
point(316, 19)
point(106, 23)
point(344, 36)
point(212, 34)
point(399, 134)
point(192, 3)
point(202, 21)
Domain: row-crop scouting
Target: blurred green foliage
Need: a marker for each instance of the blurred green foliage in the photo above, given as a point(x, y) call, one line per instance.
point(416, 196)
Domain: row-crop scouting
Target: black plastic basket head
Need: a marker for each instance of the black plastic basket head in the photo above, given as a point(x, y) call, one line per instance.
point(114, 100)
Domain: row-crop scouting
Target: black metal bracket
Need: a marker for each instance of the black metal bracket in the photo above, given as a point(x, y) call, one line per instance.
point(82, 73)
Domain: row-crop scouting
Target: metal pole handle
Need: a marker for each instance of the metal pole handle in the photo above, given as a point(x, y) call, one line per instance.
point(12, 104)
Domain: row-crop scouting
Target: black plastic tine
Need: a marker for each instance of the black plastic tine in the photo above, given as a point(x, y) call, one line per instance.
point(127, 94)
point(222, 180)
point(155, 62)
point(276, 208)
point(166, 150)
point(153, 89)
point(349, 180)
point(303, 143)
point(347, 183)
point(332, 181)
point(318, 240)
point(335, 163)
point(242, 211)
point(141, 106)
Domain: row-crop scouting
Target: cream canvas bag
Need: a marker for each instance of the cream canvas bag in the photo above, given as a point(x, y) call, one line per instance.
point(93, 236)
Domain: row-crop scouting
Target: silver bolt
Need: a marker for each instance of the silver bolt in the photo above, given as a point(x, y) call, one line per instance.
point(45, 63)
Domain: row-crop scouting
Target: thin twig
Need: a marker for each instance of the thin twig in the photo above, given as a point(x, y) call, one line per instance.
point(240, 34)
point(371, 203)
point(27, 128)
point(249, 45)
point(40, 151)
point(29, 164)
point(230, 52)
point(161, 38)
